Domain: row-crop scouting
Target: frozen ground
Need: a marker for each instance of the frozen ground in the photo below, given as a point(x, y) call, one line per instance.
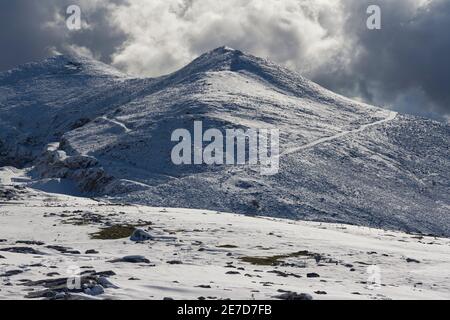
point(204, 254)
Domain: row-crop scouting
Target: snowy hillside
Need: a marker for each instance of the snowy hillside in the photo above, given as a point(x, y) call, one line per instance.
point(106, 134)
point(46, 239)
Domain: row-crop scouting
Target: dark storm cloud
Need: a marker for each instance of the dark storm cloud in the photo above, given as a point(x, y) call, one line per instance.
point(404, 66)
point(21, 36)
point(31, 30)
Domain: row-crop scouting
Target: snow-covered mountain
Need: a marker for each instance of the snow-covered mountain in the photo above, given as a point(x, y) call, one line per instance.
point(342, 161)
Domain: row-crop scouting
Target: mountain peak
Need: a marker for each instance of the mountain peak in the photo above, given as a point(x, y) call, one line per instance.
point(63, 64)
point(223, 49)
point(228, 59)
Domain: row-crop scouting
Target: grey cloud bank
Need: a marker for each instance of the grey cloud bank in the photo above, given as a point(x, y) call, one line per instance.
point(404, 66)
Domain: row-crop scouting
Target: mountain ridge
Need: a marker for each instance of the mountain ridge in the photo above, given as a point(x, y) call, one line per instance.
point(348, 162)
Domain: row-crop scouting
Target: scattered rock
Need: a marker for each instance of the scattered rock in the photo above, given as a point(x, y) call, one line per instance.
point(23, 250)
point(132, 259)
point(284, 274)
point(48, 294)
point(36, 265)
point(140, 235)
point(232, 272)
point(11, 273)
point(95, 290)
point(105, 283)
point(348, 265)
point(52, 274)
point(91, 251)
point(409, 260)
point(30, 242)
point(204, 286)
point(2, 257)
point(56, 289)
point(294, 296)
point(313, 275)
point(228, 246)
point(175, 262)
point(320, 292)
point(105, 273)
point(60, 296)
point(64, 249)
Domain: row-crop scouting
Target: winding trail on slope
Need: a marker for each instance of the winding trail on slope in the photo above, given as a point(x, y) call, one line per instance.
point(117, 123)
point(392, 115)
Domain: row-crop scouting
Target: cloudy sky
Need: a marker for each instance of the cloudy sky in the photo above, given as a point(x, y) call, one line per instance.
point(404, 66)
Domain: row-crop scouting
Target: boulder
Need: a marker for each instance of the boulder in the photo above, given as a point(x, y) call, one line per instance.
point(140, 235)
point(132, 259)
point(294, 296)
point(95, 290)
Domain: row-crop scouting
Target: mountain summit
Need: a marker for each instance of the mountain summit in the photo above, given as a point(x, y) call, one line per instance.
point(341, 160)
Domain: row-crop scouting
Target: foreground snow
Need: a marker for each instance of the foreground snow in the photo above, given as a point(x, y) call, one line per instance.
point(209, 254)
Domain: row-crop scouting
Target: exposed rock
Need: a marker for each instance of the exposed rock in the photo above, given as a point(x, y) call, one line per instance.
point(105, 273)
point(23, 250)
point(320, 292)
point(294, 296)
point(85, 170)
point(284, 274)
point(233, 272)
point(132, 259)
point(140, 235)
point(64, 249)
point(313, 275)
point(105, 283)
point(95, 290)
point(52, 274)
point(11, 273)
point(91, 251)
point(41, 294)
point(30, 242)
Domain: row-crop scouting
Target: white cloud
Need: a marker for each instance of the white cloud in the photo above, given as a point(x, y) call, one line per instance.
point(163, 35)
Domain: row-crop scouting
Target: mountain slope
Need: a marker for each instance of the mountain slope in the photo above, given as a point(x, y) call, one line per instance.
point(342, 161)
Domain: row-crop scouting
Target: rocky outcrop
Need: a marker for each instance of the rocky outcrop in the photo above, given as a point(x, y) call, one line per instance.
point(84, 170)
